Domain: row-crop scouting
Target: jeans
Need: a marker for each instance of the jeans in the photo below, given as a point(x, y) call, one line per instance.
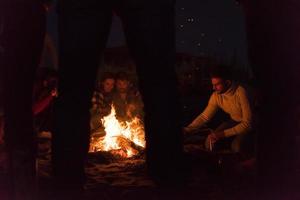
point(243, 143)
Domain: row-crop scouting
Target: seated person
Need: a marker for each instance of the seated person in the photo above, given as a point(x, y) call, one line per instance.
point(102, 99)
point(126, 99)
point(233, 99)
point(45, 91)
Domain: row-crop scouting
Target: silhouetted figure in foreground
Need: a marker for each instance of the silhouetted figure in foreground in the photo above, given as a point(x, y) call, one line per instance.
point(22, 36)
point(150, 32)
point(273, 29)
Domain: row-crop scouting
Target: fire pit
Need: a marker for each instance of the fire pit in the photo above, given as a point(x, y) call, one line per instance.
point(125, 139)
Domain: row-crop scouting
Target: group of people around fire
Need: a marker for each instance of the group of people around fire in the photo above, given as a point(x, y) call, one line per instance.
point(235, 133)
point(149, 27)
point(117, 90)
point(113, 89)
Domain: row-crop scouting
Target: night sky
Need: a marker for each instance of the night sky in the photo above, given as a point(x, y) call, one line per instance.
point(204, 27)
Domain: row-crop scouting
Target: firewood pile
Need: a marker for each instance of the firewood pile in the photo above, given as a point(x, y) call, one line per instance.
point(115, 154)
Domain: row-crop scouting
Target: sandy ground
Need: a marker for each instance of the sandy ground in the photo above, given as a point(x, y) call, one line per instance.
point(112, 178)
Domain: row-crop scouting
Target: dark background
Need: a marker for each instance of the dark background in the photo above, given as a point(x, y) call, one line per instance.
point(211, 28)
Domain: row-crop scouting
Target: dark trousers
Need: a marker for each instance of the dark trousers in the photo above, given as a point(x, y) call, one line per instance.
point(83, 30)
point(21, 38)
point(243, 144)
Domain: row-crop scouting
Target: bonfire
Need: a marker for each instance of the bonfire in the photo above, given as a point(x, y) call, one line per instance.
point(124, 138)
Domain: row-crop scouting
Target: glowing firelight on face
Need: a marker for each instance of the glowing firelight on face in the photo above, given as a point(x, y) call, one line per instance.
point(119, 135)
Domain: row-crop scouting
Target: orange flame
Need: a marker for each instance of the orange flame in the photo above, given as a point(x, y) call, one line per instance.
point(120, 135)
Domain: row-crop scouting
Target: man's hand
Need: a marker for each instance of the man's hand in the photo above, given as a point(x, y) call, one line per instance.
point(54, 93)
point(219, 135)
point(213, 138)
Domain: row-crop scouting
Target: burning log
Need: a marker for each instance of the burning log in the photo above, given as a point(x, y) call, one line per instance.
point(127, 147)
point(126, 139)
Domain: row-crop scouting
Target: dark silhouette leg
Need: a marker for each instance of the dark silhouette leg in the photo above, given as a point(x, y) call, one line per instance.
point(83, 31)
point(273, 29)
point(149, 29)
point(23, 29)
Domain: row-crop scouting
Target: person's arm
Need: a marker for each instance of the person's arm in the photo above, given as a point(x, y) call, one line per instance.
point(42, 104)
point(51, 49)
point(246, 123)
point(205, 116)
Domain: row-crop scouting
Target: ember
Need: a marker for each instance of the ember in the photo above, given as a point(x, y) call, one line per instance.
point(122, 138)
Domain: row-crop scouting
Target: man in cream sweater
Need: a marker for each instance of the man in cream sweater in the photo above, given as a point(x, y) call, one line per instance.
point(233, 99)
